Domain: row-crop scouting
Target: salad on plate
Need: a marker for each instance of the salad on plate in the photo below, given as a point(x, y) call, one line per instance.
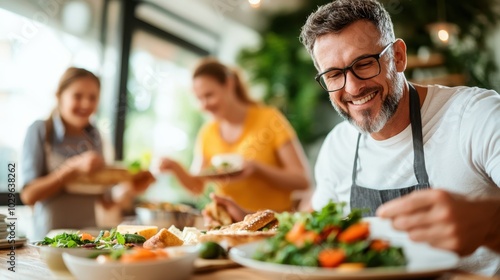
point(328, 239)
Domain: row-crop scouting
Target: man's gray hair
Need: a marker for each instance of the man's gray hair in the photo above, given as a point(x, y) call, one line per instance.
point(334, 17)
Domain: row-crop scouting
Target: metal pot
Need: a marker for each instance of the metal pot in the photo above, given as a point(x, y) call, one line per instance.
point(164, 217)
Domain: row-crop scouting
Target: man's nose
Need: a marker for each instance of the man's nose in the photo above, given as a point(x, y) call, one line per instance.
point(352, 83)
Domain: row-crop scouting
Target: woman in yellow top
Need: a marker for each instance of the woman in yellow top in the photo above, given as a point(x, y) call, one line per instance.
point(274, 162)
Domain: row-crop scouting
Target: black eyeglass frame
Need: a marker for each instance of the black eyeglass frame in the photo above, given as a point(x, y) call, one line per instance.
point(349, 68)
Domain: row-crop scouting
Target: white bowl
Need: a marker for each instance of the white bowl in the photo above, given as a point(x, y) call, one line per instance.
point(176, 267)
point(165, 218)
point(52, 256)
point(235, 161)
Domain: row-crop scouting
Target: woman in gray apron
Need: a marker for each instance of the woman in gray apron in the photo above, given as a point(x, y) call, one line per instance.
point(56, 150)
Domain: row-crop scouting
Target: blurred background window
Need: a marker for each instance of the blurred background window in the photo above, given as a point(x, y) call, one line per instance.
point(162, 117)
point(33, 55)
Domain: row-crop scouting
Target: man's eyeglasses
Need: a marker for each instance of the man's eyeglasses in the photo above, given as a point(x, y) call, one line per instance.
point(364, 68)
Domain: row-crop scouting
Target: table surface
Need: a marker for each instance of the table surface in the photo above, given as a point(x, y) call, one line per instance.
point(30, 266)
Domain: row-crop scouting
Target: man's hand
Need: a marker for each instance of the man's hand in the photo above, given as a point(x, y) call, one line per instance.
point(444, 220)
point(235, 211)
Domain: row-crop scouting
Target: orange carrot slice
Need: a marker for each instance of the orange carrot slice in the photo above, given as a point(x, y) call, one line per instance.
point(295, 233)
point(379, 245)
point(356, 232)
point(86, 236)
point(138, 255)
point(331, 257)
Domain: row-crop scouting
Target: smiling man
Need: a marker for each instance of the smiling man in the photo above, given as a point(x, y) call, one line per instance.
point(428, 157)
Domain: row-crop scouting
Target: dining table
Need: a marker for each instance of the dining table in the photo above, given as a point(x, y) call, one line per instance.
point(29, 265)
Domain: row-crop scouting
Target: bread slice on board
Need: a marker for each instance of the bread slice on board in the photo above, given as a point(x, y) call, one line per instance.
point(163, 239)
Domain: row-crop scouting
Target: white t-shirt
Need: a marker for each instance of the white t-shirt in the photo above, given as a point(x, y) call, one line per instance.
point(461, 134)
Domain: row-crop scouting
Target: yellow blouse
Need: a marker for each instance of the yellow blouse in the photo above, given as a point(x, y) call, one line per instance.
point(265, 130)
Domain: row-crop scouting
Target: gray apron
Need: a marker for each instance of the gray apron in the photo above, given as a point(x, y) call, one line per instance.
point(64, 210)
point(371, 199)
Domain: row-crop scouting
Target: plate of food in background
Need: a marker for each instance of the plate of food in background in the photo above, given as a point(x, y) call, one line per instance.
point(97, 182)
point(223, 166)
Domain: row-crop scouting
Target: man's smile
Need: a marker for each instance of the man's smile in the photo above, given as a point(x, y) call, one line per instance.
point(364, 99)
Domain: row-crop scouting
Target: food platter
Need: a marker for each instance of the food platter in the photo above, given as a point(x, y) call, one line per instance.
point(107, 176)
point(423, 260)
point(99, 181)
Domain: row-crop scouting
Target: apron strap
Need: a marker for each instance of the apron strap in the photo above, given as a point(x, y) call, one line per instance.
point(355, 165)
point(418, 143)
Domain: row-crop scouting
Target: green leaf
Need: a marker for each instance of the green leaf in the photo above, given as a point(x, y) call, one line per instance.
point(119, 238)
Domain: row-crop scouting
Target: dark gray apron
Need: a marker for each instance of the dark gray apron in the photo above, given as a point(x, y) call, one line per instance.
point(371, 199)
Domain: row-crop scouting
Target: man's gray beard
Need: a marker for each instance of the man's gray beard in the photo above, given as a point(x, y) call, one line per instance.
point(389, 107)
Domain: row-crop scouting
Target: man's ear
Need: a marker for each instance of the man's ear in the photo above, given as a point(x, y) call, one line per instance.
point(400, 58)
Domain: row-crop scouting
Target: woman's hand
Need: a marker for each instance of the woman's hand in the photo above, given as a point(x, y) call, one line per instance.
point(444, 220)
point(141, 181)
point(124, 193)
point(250, 168)
point(190, 182)
point(86, 162)
point(49, 185)
point(167, 164)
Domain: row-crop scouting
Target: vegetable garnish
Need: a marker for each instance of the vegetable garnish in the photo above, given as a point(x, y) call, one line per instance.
point(142, 163)
point(327, 238)
point(105, 240)
point(65, 240)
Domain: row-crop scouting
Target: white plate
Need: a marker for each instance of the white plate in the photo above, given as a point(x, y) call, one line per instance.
point(217, 175)
point(233, 160)
point(423, 260)
point(52, 256)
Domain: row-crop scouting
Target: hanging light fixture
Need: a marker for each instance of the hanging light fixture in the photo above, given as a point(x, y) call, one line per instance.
point(255, 3)
point(443, 34)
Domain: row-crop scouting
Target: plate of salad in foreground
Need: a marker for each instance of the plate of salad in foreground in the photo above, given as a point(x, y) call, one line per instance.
point(328, 245)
